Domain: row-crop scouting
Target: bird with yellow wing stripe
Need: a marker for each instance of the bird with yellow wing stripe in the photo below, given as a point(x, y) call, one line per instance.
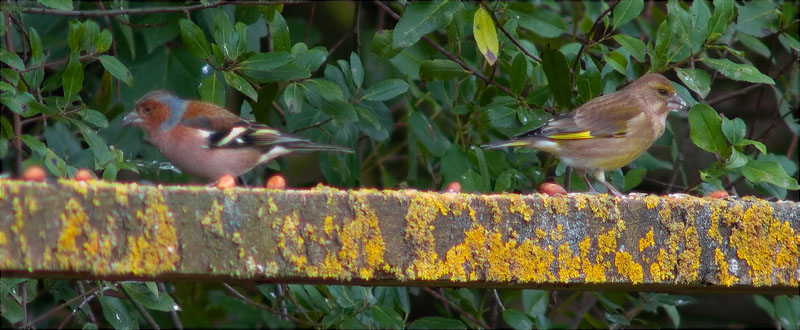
point(609, 131)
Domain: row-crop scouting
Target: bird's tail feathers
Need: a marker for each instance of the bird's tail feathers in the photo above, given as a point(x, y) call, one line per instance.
point(506, 144)
point(309, 146)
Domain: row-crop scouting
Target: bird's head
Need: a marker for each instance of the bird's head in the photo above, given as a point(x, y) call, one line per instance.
point(658, 90)
point(156, 110)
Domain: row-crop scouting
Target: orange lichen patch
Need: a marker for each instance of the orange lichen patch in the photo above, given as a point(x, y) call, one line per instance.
point(689, 260)
point(491, 202)
point(3, 239)
point(97, 253)
point(156, 250)
point(602, 206)
point(121, 193)
point(569, 265)
point(607, 242)
point(723, 276)
point(540, 234)
point(213, 219)
point(291, 242)
point(556, 204)
point(646, 241)
point(73, 221)
point(531, 263)
point(665, 212)
point(651, 201)
point(419, 233)
point(713, 230)
point(594, 273)
point(768, 245)
point(517, 204)
point(628, 268)
point(329, 228)
point(557, 234)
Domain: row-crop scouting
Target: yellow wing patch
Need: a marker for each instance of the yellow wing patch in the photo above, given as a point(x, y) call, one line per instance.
point(572, 136)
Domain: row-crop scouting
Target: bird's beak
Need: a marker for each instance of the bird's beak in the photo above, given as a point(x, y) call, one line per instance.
point(676, 103)
point(132, 118)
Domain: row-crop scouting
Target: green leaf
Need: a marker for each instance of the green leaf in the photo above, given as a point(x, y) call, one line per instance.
point(627, 10)
point(723, 11)
point(385, 90)
point(95, 118)
point(555, 67)
point(260, 65)
point(36, 146)
point(141, 294)
point(212, 90)
point(754, 44)
point(697, 80)
point(310, 59)
point(57, 4)
point(440, 69)
point(634, 46)
point(590, 83)
point(116, 68)
point(341, 112)
point(12, 311)
point(485, 35)
point(617, 318)
point(75, 35)
point(387, 317)
point(543, 22)
point(427, 133)
point(382, 44)
point(517, 320)
point(789, 42)
point(757, 18)
point(357, 70)
point(225, 36)
point(116, 314)
point(673, 314)
point(519, 73)
point(617, 61)
point(12, 59)
point(760, 146)
point(435, 322)
point(734, 130)
point(699, 15)
point(421, 18)
point(293, 98)
point(758, 171)
point(240, 84)
point(322, 89)
point(19, 103)
point(736, 160)
point(72, 79)
point(281, 41)
point(736, 71)
point(633, 178)
point(95, 142)
point(102, 42)
point(194, 39)
point(787, 311)
point(705, 129)
point(765, 304)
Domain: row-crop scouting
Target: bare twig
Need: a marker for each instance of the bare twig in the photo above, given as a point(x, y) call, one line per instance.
point(59, 307)
point(23, 289)
point(357, 31)
point(587, 302)
point(589, 42)
point(57, 63)
point(318, 124)
point(92, 318)
point(143, 311)
point(310, 21)
point(176, 320)
point(456, 308)
point(510, 37)
point(259, 306)
point(135, 11)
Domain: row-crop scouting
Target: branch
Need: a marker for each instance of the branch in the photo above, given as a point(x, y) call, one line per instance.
point(510, 37)
point(455, 307)
point(589, 40)
point(136, 11)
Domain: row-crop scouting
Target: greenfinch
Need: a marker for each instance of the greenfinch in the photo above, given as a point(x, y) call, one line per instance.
point(607, 132)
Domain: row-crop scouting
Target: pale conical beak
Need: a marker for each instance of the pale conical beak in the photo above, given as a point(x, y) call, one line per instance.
point(676, 103)
point(131, 118)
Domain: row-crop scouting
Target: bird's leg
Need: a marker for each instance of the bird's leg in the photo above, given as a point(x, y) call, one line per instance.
point(601, 176)
point(586, 180)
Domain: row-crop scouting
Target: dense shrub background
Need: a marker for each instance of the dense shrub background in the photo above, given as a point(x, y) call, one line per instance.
point(413, 87)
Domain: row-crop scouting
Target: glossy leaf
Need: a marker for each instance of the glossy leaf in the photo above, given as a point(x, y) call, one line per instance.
point(116, 314)
point(757, 18)
point(428, 134)
point(626, 10)
point(770, 172)
point(517, 320)
point(555, 67)
point(258, 65)
point(57, 4)
point(72, 79)
point(440, 69)
point(12, 59)
point(385, 90)
point(356, 69)
point(421, 18)
point(733, 129)
point(280, 34)
point(485, 35)
point(519, 73)
point(116, 68)
point(697, 80)
point(705, 131)
point(240, 84)
point(736, 71)
point(723, 11)
point(435, 322)
point(543, 22)
point(634, 46)
point(212, 90)
point(194, 39)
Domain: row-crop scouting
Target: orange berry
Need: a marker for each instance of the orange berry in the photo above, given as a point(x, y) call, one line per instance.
point(34, 173)
point(83, 174)
point(718, 194)
point(453, 187)
point(226, 181)
point(276, 182)
point(552, 189)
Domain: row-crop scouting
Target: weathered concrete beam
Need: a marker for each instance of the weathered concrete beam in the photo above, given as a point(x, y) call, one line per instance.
point(127, 231)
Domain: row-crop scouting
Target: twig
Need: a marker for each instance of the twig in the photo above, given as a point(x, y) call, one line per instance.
point(176, 320)
point(513, 40)
point(338, 43)
point(733, 94)
point(135, 11)
point(357, 31)
point(23, 289)
point(589, 41)
point(588, 302)
point(143, 311)
point(57, 63)
point(15, 117)
point(452, 57)
point(456, 308)
point(499, 302)
point(113, 46)
point(318, 124)
point(257, 305)
point(300, 308)
point(59, 307)
point(310, 21)
point(92, 318)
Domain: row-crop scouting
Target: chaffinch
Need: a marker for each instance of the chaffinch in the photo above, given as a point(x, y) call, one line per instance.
point(609, 131)
point(206, 140)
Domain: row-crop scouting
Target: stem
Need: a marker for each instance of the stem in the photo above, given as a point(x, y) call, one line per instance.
point(588, 41)
point(176, 321)
point(513, 40)
point(456, 308)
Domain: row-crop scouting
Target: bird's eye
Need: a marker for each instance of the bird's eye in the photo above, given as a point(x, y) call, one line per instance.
point(147, 108)
point(663, 92)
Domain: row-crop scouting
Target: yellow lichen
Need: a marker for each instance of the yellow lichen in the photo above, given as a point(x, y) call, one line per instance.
point(607, 242)
point(689, 260)
point(651, 201)
point(568, 265)
point(517, 205)
point(156, 249)
point(646, 241)
point(213, 219)
point(73, 220)
point(3, 239)
point(628, 268)
point(723, 276)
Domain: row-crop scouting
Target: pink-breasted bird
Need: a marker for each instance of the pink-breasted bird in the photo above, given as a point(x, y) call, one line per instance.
point(209, 141)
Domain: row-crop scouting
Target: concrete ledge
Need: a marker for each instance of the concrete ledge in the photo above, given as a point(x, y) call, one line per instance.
point(97, 229)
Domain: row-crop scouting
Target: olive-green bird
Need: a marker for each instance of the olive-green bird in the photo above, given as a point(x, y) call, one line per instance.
point(609, 131)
